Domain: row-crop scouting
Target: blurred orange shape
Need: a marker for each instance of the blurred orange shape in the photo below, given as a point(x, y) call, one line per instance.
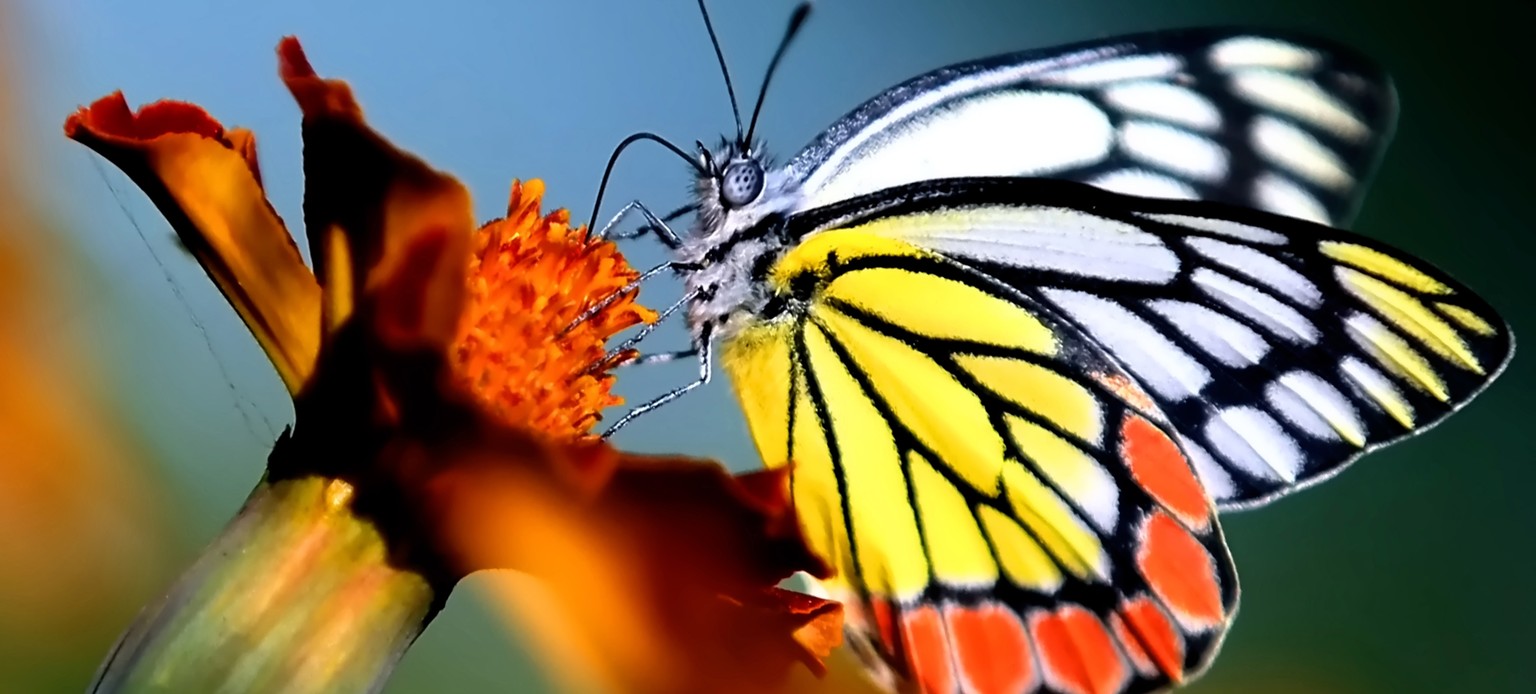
point(73, 508)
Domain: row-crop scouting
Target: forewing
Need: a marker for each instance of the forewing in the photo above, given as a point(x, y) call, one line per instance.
point(1286, 123)
point(1279, 350)
point(1005, 504)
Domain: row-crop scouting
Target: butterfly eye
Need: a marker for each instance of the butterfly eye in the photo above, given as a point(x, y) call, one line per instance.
point(741, 183)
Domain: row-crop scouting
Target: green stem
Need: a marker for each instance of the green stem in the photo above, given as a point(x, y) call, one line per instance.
point(296, 595)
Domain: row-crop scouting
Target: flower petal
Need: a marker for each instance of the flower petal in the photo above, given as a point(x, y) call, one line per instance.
point(381, 205)
point(786, 627)
point(205, 181)
point(667, 571)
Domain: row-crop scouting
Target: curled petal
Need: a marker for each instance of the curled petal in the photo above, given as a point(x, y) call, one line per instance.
point(205, 181)
point(379, 204)
point(782, 626)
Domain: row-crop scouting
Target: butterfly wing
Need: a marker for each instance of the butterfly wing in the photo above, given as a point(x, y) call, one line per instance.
point(1290, 124)
point(1279, 350)
point(1005, 502)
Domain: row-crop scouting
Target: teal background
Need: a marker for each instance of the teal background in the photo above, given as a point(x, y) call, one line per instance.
point(1410, 573)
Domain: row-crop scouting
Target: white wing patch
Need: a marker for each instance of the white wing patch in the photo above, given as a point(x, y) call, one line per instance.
point(1014, 133)
point(1131, 67)
point(1317, 406)
point(1256, 305)
point(1297, 412)
point(1299, 152)
point(1166, 369)
point(1171, 103)
point(1283, 196)
point(1223, 227)
point(1301, 99)
point(1254, 441)
point(1256, 265)
point(1046, 239)
point(1195, 156)
point(1145, 183)
point(1228, 341)
point(1262, 52)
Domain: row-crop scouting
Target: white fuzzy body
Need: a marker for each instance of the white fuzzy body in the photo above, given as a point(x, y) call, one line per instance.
point(726, 295)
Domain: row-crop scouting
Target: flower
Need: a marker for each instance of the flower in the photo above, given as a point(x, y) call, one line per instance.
point(441, 419)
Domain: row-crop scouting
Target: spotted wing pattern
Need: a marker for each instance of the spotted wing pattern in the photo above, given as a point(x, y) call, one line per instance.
point(1286, 123)
point(1004, 506)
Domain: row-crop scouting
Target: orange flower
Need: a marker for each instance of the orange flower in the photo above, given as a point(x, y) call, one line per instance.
point(529, 278)
point(441, 428)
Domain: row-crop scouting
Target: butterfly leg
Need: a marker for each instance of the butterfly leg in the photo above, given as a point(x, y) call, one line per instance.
point(654, 224)
point(627, 288)
point(662, 357)
point(703, 351)
point(610, 359)
point(657, 228)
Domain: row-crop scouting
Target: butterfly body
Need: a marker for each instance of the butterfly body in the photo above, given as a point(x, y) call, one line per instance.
point(729, 247)
point(1024, 325)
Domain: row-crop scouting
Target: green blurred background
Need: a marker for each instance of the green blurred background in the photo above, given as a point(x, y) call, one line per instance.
point(1413, 572)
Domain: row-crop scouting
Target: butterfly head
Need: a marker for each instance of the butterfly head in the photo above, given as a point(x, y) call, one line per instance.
point(733, 176)
point(737, 186)
point(741, 182)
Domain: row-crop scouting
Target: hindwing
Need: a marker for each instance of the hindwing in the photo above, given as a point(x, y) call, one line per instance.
point(1004, 505)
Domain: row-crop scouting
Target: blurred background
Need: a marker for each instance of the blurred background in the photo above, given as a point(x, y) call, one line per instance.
point(136, 412)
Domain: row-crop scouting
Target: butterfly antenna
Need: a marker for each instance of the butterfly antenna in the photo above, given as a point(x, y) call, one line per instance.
point(614, 158)
point(720, 56)
point(796, 20)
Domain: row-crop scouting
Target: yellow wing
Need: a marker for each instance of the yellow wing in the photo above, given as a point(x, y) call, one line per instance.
point(1004, 504)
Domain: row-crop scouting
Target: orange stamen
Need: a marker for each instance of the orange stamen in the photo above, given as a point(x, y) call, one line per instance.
point(530, 276)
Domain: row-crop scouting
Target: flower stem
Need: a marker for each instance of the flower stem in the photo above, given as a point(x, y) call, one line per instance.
point(296, 595)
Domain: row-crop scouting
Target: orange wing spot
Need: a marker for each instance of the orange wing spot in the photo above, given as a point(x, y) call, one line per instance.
point(1077, 653)
point(1132, 646)
point(885, 624)
point(1127, 389)
point(927, 650)
point(1150, 632)
point(991, 649)
point(1181, 572)
point(1163, 471)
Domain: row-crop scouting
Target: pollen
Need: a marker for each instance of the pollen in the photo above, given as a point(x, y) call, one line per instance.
point(530, 278)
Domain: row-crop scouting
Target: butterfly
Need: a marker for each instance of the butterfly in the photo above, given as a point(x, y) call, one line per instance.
point(1024, 325)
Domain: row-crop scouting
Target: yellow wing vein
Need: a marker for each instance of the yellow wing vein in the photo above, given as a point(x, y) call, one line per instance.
point(997, 405)
point(908, 441)
point(905, 441)
point(1464, 322)
point(802, 363)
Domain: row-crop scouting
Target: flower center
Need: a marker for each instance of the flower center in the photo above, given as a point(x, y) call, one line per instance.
point(530, 276)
